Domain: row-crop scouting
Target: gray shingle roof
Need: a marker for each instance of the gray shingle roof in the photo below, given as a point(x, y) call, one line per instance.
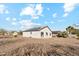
point(35, 29)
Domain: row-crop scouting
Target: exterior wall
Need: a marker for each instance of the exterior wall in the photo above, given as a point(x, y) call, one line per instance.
point(37, 34)
point(26, 34)
point(34, 34)
point(48, 31)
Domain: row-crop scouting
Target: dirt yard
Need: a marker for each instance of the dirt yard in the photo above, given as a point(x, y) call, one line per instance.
point(39, 47)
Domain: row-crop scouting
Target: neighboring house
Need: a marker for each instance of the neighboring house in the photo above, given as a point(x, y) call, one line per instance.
point(38, 32)
point(54, 33)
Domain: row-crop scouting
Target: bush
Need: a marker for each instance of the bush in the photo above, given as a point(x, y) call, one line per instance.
point(62, 34)
point(59, 34)
point(15, 34)
point(78, 36)
point(77, 33)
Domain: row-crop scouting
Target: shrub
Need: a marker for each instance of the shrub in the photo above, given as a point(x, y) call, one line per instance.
point(59, 34)
point(2, 31)
point(15, 34)
point(78, 36)
point(62, 34)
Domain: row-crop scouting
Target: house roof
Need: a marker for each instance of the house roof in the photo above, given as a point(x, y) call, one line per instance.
point(36, 29)
point(55, 32)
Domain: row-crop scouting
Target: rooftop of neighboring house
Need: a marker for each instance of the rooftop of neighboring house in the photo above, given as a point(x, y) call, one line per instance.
point(55, 32)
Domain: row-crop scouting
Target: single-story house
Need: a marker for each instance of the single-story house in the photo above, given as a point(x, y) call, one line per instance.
point(38, 32)
point(54, 33)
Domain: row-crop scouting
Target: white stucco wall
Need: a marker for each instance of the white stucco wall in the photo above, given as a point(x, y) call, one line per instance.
point(26, 34)
point(48, 31)
point(37, 34)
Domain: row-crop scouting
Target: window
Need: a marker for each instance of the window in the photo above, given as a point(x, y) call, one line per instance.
point(46, 33)
point(30, 32)
point(42, 34)
point(50, 34)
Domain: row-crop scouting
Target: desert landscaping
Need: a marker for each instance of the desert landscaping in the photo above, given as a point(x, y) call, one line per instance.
point(60, 44)
point(19, 46)
point(39, 29)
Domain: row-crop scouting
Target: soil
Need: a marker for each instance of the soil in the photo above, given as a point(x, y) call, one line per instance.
point(55, 46)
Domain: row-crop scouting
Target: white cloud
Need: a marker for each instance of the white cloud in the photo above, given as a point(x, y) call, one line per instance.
point(68, 7)
point(8, 19)
point(32, 10)
point(50, 22)
point(35, 17)
point(1, 5)
point(26, 24)
point(3, 9)
point(48, 8)
point(62, 20)
point(54, 15)
point(65, 14)
point(6, 12)
point(14, 19)
point(13, 23)
point(76, 26)
point(39, 8)
point(46, 22)
point(27, 11)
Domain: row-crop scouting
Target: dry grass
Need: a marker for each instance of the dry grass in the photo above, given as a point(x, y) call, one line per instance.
point(39, 47)
point(42, 50)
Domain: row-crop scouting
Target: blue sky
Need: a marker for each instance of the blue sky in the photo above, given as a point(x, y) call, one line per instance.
point(21, 16)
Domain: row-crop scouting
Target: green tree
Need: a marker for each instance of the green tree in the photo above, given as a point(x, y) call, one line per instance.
point(77, 33)
point(62, 34)
point(70, 29)
point(2, 31)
